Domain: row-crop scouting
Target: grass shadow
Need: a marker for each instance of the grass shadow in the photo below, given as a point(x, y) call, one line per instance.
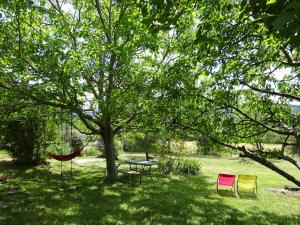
point(226, 193)
point(84, 199)
point(249, 195)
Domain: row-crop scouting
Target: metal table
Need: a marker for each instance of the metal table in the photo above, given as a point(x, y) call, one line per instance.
point(145, 166)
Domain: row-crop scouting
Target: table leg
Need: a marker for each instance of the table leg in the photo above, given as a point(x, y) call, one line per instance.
point(143, 169)
point(150, 173)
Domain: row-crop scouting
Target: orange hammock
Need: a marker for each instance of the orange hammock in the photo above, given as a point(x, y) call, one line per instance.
point(74, 154)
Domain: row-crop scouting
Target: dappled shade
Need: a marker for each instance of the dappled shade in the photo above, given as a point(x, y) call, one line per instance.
point(45, 198)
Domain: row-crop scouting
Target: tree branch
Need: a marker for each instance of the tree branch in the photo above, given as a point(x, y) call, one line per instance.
point(83, 132)
point(83, 116)
point(262, 124)
point(132, 117)
point(289, 159)
point(271, 92)
point(290, 61)
point(84, 119)
point(99, 10)
point(252, 119)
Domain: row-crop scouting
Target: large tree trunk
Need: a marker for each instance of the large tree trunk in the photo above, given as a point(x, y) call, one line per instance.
point(109, 153)
point(270, 165)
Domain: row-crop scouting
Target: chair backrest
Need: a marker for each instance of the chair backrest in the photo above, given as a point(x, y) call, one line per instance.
point(247, 181)
point(226, 179)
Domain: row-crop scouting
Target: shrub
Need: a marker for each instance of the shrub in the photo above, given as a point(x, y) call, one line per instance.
point(91, 152)
point(167, 165)
point(23, 141)
point(189, 166)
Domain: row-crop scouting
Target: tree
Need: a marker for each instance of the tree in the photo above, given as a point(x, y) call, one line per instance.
point(236, 94)
point(281, 18)
point(66, 53)
point(92, 58)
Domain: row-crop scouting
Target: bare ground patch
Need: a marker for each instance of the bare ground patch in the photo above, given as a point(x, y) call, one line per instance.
point(286, 190)
point(84, 161)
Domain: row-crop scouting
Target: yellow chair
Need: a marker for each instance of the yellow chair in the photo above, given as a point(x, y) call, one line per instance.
point(247, 183)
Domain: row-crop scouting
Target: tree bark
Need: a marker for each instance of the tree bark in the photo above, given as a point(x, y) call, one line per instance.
point(109, 153)
point(270, 165)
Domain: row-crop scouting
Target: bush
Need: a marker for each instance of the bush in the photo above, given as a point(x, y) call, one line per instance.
point(23, 141)
point(189, 166)
point(167, 165)
point(91, 152)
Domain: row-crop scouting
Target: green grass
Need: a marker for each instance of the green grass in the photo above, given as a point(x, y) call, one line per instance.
point(3, 154)
point(45, 198)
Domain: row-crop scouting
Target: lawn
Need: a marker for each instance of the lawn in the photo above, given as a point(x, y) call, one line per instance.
point(41, 196)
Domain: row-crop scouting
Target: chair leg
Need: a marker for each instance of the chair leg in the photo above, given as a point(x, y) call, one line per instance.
point(256, 189)
point(255, 192)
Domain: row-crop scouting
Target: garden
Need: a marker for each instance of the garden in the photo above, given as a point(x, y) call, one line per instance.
point(149, 112)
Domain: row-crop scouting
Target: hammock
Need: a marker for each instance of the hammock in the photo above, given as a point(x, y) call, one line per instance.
point(74, 154)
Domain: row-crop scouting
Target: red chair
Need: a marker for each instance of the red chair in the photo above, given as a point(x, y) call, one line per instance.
point(226, 180)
